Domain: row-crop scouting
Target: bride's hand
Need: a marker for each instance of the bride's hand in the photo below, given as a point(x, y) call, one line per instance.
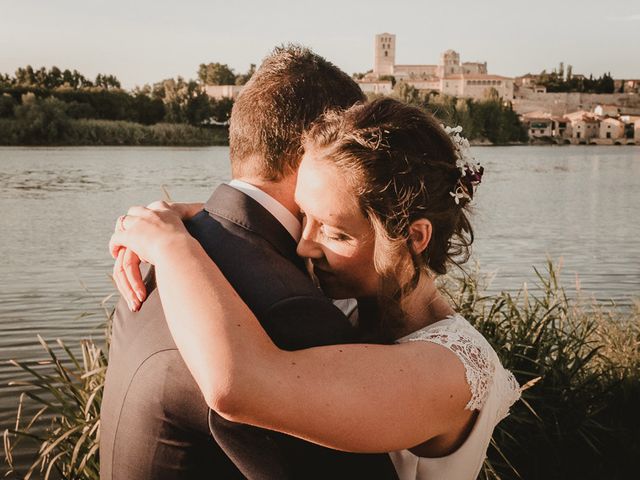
point(126, 270)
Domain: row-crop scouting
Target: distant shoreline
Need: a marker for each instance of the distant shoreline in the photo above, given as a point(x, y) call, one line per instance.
point(100, 133)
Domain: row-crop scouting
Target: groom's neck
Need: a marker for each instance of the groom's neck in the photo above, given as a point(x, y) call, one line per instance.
point(282, 190)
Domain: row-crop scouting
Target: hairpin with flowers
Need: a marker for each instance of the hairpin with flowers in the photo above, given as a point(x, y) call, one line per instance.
point(470, 173)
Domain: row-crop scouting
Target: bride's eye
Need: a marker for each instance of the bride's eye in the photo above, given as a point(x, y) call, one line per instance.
point(335, 236)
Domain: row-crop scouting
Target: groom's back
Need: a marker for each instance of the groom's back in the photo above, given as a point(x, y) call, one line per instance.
point(154, 416)
point(155, 421)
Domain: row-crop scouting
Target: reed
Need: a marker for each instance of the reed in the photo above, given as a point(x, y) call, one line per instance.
point(579, 365)
point(66, 387)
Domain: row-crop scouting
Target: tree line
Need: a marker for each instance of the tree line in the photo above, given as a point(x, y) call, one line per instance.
point(173, 100)
point(561, 80)
point(41, 106)
point(490, 119)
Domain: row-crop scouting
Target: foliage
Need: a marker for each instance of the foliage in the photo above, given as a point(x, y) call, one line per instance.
point(184, 101)
point(105, 132)
point(388, 78)
point(221, 109)
point(67, 389)
point(557, 81)
point(54, 78)
point(579, 417)
point(171, 100)
point(216, 74)
point(42, 121)
point(361, 75)
point(489, 119)
point(578, 363)
point(243, 78)
point(7, 104)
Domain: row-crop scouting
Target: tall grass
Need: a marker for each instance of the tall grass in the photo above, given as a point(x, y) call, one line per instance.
point(67, 389)
point(579, 364)
point(70, 132)
point(579, 418)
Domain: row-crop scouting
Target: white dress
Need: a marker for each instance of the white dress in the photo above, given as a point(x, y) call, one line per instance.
point(493, 391)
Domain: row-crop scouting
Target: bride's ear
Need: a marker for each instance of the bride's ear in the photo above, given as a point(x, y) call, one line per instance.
point(420, 235)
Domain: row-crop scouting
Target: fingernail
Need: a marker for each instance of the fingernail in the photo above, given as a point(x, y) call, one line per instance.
point(140, 295)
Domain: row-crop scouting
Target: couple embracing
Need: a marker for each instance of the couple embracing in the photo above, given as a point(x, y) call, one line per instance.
point(229, 359)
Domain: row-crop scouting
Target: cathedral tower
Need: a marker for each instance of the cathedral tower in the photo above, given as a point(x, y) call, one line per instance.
point(385, 54)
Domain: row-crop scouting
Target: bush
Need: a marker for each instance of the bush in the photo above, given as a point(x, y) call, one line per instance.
point(579, 419)
point(42, 122)
point(9, 132)
point(7, 104)
point(46, 123)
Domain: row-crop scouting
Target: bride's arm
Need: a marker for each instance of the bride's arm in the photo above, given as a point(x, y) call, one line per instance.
point(365, 398)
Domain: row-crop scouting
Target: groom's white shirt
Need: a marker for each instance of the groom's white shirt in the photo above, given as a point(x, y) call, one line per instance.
point(274, 207)
point(293, 226)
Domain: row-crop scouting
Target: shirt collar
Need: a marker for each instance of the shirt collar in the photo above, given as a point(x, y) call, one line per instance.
point(287, 219)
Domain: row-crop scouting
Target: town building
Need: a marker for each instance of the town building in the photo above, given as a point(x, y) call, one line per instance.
point(545, 125)
point(612, 128)
point(450, 76)
point(601, 126)
point(378, 87)
point(223, 91)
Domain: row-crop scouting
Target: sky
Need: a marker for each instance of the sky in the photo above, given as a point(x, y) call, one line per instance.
point(144, 41)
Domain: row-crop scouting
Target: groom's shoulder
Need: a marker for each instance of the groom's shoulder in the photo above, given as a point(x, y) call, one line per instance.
point(251, 262)
point(269, 279)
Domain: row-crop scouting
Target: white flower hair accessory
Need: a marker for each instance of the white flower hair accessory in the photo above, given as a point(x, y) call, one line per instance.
point(470, 172)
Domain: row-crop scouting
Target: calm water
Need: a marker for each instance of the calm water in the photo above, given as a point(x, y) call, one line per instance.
point(59, 205)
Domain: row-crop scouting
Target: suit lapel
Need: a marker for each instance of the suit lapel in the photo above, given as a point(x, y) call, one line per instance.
point(231, 204)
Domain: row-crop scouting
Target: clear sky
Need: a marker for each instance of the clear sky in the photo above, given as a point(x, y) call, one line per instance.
point(144, 41)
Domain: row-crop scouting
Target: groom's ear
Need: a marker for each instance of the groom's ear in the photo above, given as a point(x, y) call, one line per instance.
point(420, 235)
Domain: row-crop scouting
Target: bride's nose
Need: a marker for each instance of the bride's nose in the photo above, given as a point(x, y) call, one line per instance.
point(308, 246)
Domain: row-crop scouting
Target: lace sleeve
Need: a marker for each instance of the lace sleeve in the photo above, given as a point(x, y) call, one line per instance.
point(472, 350)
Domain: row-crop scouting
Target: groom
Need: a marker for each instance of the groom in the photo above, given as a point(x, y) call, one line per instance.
point(155, 423)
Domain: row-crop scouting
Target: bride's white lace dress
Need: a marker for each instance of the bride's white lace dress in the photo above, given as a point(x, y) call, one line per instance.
point(493, 391)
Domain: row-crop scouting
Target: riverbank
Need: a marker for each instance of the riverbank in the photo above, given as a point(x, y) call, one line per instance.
point(91, 132)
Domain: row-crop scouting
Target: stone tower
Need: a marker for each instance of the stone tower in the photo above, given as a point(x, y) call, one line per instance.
point(449, 64)
point(385, 54)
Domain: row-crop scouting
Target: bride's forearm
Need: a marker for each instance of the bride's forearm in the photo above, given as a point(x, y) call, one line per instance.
point(218, 336)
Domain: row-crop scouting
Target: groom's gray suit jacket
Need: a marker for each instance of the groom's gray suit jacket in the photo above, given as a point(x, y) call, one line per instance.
point(155, 423)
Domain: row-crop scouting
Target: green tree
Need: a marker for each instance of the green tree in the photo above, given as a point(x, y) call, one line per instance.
point(54, 78)
point(7, 104)
point(407, 93)
point(216, 74)
point(244, 78)
point(184, 101)
point(25, 77)
point(106, 81)
point(149, 108)
point(388, 78)
point(221, 109)
point(42, 121)
point(5, 80)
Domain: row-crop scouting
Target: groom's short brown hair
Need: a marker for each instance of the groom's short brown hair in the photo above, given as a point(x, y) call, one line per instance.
point(292, 88)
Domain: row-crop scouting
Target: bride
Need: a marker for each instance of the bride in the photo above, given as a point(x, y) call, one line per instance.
point(384, 191)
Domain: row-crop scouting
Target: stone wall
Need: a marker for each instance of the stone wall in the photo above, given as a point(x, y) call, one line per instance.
point(526, 101)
